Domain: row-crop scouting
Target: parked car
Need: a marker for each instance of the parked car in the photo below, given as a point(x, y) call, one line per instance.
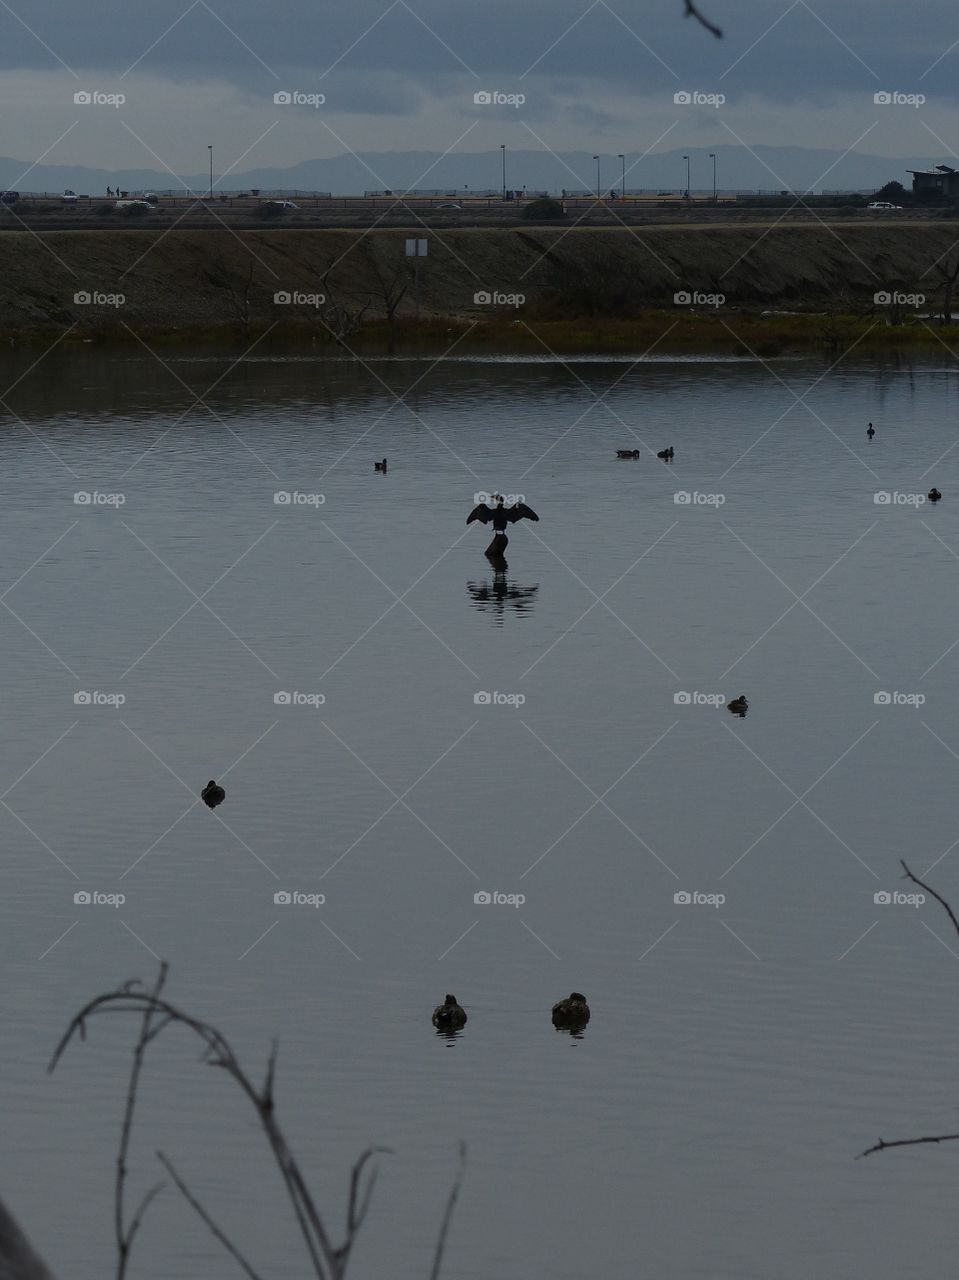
point(9, 197)
point(883, 204)
point(150, 197)
point(133, 204)
point(69, 197)
point(283, 204)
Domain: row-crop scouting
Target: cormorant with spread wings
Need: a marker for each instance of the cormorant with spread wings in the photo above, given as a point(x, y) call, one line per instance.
point(500, 515)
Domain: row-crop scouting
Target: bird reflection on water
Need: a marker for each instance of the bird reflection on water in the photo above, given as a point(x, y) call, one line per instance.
point(502, 593)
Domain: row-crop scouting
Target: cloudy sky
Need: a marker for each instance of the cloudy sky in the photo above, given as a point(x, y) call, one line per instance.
point(402, 76)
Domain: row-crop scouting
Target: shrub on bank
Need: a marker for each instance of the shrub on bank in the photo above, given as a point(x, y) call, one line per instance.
point(544, 210)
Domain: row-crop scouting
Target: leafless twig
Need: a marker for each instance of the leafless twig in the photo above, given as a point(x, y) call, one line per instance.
point(327, 1260)
point(448, 1215)
point(882, 1145)
point(195, 1204)
point(690, 11)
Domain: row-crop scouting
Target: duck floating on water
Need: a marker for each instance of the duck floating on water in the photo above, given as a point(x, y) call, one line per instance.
point(666, 454)
point(571, 1012)
point(449, 1016)
point(870, 431)
point(739, 706)
point(379, 466)
point(627, 453)
point(212, 794)
point(933, 495)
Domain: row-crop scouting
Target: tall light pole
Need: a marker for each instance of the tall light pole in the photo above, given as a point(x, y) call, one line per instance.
point(596, 158)
point(712, 156)
point(622, 193)
point(686, 158)
point(209, 147)
point(502, 147)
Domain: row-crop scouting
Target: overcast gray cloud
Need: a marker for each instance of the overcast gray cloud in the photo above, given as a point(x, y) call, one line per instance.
point(401, 74)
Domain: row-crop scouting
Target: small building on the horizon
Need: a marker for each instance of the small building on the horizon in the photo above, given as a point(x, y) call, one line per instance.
point(943, 180)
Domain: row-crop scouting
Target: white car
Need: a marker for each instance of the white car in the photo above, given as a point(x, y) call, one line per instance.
point(883, 204)
point(283, 204)
point(133, 204)
point(69, 197)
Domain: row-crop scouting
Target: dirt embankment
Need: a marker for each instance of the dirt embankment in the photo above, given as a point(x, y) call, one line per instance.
point(323, 282)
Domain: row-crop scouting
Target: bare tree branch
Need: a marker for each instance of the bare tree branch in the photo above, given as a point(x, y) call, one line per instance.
point(938, 897)
point(448, 1215)
point(327, 1260)
point(690, 11)
point(882, 1145)
point(195, 1204)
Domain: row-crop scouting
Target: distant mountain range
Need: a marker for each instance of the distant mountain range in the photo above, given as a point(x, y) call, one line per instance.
point(795, 168)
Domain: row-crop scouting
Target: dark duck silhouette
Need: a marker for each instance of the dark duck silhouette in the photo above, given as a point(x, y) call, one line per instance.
point(666, 454)
point(379, 466)
point(571, 1012)
point(739, 706)
point(933, 495)
point(449, 1016)
point(212, 794)
point(627, 453)
point(870, 431)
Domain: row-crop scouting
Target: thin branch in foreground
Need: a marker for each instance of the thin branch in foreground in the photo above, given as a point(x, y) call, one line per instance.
point(202, 1213)
point(938, 897)
point(690, 11)
point(448, 1215)
point(882, 1145)
point(327, 1261)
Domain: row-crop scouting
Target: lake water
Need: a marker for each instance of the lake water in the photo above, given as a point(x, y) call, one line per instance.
point(739, 1055)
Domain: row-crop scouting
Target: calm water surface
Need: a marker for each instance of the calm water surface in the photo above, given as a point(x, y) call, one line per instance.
point(739, 1055)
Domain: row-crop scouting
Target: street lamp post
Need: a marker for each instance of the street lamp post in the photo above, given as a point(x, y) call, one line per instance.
point(502, 147)
point(622, 192)
point(596, 158)
point(209, 148)
point(712, 156)
point(686, 158)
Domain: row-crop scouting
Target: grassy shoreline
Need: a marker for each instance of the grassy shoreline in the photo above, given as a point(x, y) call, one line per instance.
point(661, 331)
